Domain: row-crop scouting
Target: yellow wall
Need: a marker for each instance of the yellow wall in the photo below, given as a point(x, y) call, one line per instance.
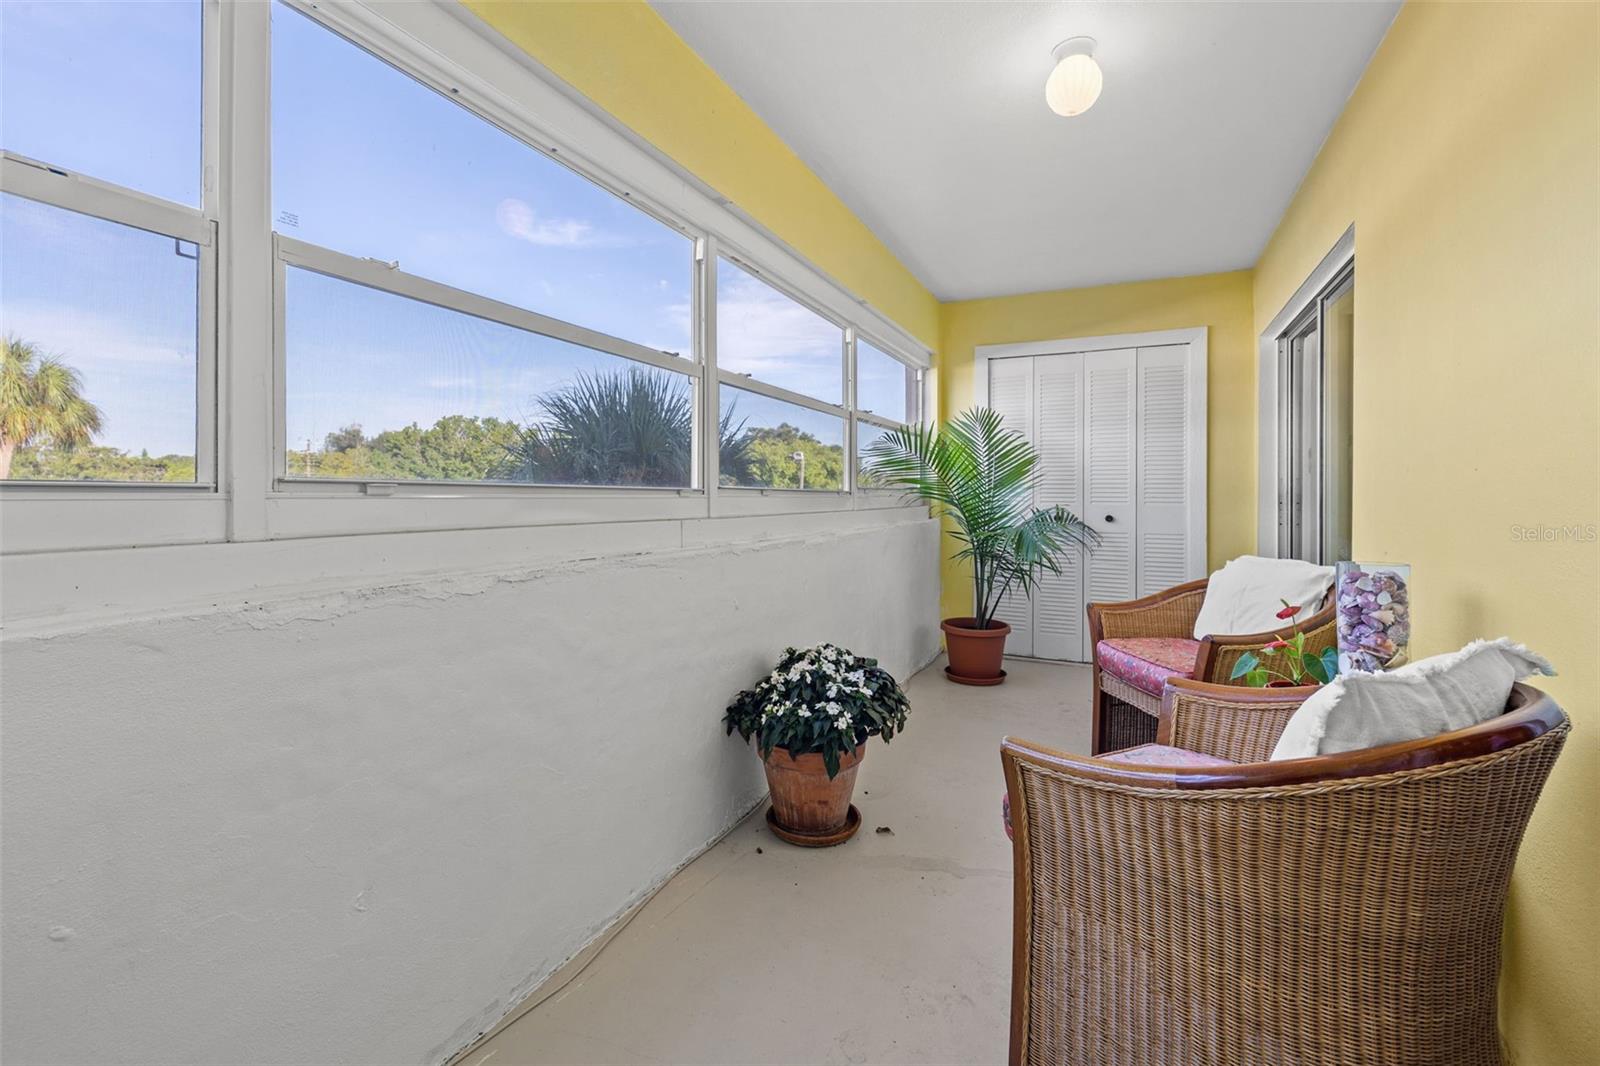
point(1220, 302)
point(625, 58)
point(1469, 161)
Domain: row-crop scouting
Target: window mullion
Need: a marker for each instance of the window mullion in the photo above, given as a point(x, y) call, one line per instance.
point(211, 27)
point(848, 364)
point(245, 320)
point(709, 392)
point(208, 405)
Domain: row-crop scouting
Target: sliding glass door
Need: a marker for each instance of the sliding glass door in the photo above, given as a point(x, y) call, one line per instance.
point(1315, 358)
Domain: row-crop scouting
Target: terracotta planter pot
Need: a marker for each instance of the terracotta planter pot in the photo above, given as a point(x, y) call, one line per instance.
point(975, 654)
point(805, 802)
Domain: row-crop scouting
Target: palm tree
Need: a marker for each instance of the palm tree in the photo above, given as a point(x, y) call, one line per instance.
point(41, 399)
point(981, 476)
point(630, 427)
point(735, 448)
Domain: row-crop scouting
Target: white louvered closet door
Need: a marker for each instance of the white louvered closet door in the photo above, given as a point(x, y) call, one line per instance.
point(1162, 522)
point(1011, 395)
point(1110, 446)
point(1117, 435)
point(1058, 606)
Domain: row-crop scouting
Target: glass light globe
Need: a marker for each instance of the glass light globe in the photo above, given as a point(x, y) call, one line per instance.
point(1073, 86)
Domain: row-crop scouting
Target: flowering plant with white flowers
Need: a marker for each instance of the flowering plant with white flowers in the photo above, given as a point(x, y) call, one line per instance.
point(822, 699)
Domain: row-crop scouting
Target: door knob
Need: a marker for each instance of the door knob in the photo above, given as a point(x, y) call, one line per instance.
point(1111, 518)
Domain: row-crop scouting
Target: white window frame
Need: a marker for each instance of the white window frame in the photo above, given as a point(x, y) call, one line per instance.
point(384, 277)
point(915, 398)
point(58, 515)
point(749, 383)
point(913, 383)
point(248, 495)
point(55, 187)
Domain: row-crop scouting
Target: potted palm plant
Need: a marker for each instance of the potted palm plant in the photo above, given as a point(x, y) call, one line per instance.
point(980, 476)
point(811, 719)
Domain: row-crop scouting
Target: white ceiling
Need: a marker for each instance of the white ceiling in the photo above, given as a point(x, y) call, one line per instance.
point(929, 121)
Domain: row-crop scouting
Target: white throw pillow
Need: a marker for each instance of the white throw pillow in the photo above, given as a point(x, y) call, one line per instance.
point(1421, 699)
point(1246, 595)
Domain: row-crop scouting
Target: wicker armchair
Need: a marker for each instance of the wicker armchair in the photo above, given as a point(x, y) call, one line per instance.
point(1337, 910)
point(1124, 713)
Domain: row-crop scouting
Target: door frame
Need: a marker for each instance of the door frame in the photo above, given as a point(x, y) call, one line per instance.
point(1198, 422)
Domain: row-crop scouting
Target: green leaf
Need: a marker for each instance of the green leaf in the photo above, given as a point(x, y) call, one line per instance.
point(881, 711)
point(1315, 668)
point(1247, 662)
point(1257, 678)
point(1330, 662)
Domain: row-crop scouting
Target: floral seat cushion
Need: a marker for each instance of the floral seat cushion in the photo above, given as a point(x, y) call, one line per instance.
point(1147, 662)
point(1143, 755)
point(1163, 755)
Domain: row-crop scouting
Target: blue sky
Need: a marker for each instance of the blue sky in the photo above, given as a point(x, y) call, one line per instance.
point(880, 382)
point(368, 162)
point(108, 89)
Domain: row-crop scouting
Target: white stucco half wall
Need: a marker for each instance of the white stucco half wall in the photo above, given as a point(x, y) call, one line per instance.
point(360, 826)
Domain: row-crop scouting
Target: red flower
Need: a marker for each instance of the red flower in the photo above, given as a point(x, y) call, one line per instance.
point(1289, 612)
point(1275, 645)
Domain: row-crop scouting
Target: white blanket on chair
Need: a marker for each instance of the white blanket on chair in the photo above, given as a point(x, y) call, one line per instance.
point(1246, 595)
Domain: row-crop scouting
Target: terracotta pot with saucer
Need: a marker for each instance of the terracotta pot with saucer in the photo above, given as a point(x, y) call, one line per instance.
point(808, 808)
point(975, 654)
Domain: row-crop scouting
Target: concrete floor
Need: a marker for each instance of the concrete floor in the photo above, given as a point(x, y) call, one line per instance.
point(894, 947)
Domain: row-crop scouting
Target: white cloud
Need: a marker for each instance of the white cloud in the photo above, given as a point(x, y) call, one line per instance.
point(765, 334)
point(518, 219)
point(86, 339)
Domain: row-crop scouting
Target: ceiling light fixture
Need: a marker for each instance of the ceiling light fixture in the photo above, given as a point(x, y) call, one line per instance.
point(1074, 84)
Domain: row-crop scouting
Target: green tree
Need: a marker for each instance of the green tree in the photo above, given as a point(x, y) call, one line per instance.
point(41, 400)
point(96, 462)
point(772, 460)
point(354, 462)
point(342, 440)
point(456, 447)
point(632, 426)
